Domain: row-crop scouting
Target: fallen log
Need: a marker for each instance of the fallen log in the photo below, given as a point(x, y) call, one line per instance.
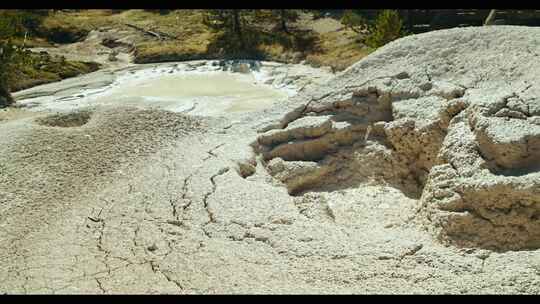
point(159, 35)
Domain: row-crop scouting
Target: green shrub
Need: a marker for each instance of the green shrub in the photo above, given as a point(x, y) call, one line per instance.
point(22, 22)
point(388, 27)
point(8, 27)
point(13, 57)
point(354, 21)
point(32, 19)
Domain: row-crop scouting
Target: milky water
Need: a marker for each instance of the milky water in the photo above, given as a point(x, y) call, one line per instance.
point(197, 93)
point(205, 91)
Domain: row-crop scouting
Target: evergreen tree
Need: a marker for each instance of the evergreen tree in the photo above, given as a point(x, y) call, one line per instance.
point(228, 20)
point(388, 27)
point(284, 16)
point(354, 21)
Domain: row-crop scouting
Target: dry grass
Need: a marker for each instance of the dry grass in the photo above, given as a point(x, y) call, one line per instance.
point(45, 69)
point(339, 58)
point(79, 20)
point(338, 49)
point(148, 52)
point(190, 39)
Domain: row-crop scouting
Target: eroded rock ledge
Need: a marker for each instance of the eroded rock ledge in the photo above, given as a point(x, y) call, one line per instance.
point(450, 117)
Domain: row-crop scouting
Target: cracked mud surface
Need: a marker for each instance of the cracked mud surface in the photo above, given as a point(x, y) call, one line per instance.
point(414, 171)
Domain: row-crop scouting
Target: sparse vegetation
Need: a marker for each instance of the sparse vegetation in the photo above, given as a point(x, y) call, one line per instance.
point(41, 68)
point(283, 17)
point(203, 34)
point(354, 21)
point(388, 27)
point(229, 21)
point(277, 35)
point(12, 56)
point(19, 67)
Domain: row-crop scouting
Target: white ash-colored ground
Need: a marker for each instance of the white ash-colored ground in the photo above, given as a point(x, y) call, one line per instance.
point(413, 171)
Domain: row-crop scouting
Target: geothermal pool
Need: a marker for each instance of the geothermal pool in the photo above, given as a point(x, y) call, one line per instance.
point(204, 94)
point(205, 90)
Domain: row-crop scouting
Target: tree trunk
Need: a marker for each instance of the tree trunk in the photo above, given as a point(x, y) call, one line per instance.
point(283, 19)
point(490, 17)
point(5, 96)
point(236, 25)
point(408, 20)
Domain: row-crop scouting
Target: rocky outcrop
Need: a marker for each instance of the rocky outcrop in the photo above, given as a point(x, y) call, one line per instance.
point(450, 117)
point(239, 66)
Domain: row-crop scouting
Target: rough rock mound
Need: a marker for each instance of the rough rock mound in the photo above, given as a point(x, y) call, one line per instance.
point(451, 117)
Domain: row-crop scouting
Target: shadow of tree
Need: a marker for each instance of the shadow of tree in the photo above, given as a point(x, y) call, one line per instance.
point(228, 45)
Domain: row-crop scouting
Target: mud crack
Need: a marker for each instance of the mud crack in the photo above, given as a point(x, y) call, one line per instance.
point(208, 194)
point(155, 269)
point(211, 151)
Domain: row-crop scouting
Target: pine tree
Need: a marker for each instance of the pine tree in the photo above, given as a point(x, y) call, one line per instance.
point(354, 21)
point(388, 27)
point(228, 20)
point(285, 16)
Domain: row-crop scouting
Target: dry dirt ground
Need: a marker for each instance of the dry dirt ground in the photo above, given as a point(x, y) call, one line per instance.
point(413, 171)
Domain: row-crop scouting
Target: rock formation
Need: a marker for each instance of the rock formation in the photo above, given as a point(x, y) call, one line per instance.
point(452, 117)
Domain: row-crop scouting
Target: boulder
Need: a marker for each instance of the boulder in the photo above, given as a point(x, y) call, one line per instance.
point(241, 68)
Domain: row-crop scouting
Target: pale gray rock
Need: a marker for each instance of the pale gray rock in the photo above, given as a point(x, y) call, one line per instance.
point(413, 171)
point(458, 99)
